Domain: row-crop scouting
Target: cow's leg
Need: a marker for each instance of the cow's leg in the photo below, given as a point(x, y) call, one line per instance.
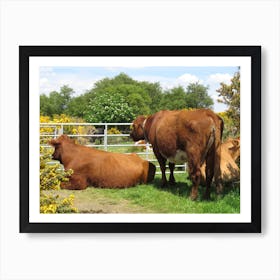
point(195, 173)
point(171, 177)
point(217, 170)
point(210, 161)
point(75, 182)
point(162, 164)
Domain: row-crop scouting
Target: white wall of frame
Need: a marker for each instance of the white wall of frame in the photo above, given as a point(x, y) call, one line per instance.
point(139, 256)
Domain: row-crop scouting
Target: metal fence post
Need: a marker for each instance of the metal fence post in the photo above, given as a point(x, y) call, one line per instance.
point(105, 138)
point(147, 150)
point(61, 130)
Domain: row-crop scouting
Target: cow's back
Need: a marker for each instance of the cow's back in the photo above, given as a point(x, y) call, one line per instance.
point(108, 169)
point(173, 130)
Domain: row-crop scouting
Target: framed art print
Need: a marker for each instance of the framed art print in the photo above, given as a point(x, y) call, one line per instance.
point(140, 139)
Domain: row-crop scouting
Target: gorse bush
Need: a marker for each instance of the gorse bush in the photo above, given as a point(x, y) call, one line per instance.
point(55, 128)
point(51, 176)
point(230, 130)
point(50, 204)
point(114, 130)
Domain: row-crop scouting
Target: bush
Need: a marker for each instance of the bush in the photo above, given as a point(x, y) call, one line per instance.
point(114, 130)
point(108, 108)
point(50, 204)
point(51, 176)
point(55, 128)
point(230, 130)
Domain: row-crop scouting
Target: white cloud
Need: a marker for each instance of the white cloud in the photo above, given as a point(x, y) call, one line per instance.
point(78, 83)
point(186, 79)
point(168, 83)
point(43, 81)
point(47, 72)
point(219, 78)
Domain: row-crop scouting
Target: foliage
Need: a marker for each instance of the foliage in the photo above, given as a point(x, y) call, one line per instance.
point(230, 130)
point(67, 129)
point(137, 98)
point(174, 99)
point(51, 176)
point(114, 130)
point(50, 204)
point(194, 96)
point(135, 94)
point(56, 102)
point(154, 91)
point(109, 108)
point(197, 96)
point(230, 95)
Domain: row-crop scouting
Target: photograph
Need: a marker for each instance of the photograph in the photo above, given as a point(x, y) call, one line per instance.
point(140, 139)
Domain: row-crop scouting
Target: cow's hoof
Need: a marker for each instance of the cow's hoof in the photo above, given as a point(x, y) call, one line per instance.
point(219, 189)
point(219, 195)
point(172, 183)
point(206, 196)
point(164, 185)
point(193, 197)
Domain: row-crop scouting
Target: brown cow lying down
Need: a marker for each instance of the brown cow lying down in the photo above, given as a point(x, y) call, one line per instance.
point(184, 136)
point(100, 168)
point(230, 151)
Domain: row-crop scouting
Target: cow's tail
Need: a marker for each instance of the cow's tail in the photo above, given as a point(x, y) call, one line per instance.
point(221, 126)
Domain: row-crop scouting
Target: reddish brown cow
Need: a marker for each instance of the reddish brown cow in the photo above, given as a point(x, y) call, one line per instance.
point(100, 168)
point(230, 151)
point(233, 147)
point(144, 146)
point(184, 136)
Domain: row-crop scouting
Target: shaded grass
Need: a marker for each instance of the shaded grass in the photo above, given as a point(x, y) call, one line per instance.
point(151, 198)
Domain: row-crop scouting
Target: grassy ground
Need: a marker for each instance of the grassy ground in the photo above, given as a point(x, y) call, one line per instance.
point(151, 198)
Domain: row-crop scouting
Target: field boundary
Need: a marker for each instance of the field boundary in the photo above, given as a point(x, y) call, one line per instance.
point(98, 136)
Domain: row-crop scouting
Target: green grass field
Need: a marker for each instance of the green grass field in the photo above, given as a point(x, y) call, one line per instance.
point(151, 198)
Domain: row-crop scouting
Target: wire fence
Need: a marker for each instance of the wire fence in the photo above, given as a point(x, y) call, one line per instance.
point(112, 137)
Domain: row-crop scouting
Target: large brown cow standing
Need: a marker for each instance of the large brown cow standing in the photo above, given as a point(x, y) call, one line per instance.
point(184, 136)
point(99, 168)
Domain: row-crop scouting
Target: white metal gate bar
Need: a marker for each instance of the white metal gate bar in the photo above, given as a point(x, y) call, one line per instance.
point(59, 129)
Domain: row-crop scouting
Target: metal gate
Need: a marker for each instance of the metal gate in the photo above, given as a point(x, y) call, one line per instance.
point(100, 136)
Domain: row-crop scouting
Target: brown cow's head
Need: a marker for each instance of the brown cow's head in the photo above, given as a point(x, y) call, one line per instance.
point(137, 132)
point(233, 147)
point(57, 144)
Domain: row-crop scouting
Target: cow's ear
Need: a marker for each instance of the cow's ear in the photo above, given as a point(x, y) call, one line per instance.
point(54, 142)
point(236, 142)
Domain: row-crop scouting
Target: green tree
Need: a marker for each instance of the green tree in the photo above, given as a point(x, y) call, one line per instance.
point(45, 106)
point(230, 95)
point(56, 102)
point(197, 96)
point(174, 99)
point(134, 93)
point(154, 91)
point(108, 108)
point(77, 105)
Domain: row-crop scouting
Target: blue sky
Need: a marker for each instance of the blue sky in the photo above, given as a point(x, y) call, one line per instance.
point(83, 78)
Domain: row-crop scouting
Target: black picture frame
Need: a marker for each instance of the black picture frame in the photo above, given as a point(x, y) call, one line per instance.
point(254, 52)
